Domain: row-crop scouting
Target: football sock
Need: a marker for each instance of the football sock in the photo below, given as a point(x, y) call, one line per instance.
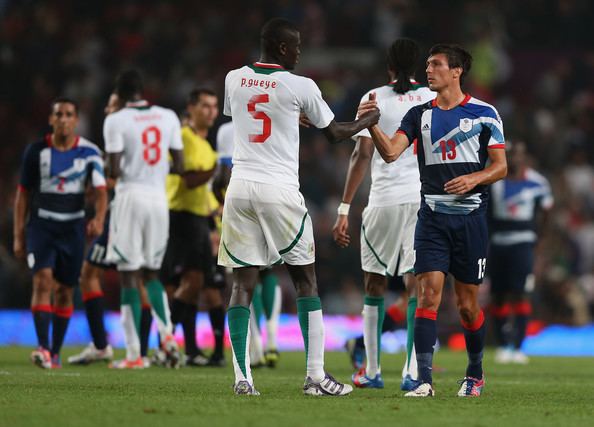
point(410, 366)
point(425, 338)
point(257, 306)
point(217, 322)
point(373, 319)
point(60, 321)
point(146, 319)
point(522, 311)
point(474, 335)
point(130, 315)
point(188, 322)
point(160, 306)
point(256, 350)
point(178, 308)
point(94, 309)
point(42, 317)
point(309, 311)
point(272, 301)
point(501, 314)
point(239, 320)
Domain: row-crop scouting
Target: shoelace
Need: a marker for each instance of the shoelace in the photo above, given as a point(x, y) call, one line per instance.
point(469, 385)
point(330, 381)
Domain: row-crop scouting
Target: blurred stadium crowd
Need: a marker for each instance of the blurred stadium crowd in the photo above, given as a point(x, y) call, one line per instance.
point(534, 60)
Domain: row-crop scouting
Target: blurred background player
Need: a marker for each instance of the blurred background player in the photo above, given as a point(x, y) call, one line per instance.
point(265, 220)
point(388, 227)
point(517, 211)
point(456, 134)
point(137, 139)
point(267, 296)
point(188, 261)
point(51, 195)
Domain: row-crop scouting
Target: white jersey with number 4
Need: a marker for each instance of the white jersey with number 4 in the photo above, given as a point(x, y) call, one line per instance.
point(265, 101)
point(398, 182)
point(143, 134)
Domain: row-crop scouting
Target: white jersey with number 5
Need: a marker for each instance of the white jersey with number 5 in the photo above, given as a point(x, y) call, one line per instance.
point(265, 101)
point(143, 134)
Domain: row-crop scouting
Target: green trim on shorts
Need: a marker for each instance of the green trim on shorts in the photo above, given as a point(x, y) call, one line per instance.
point(117, 251)
point(373, 251)
point(236, 260)
point(410, 270)
point(294, 242)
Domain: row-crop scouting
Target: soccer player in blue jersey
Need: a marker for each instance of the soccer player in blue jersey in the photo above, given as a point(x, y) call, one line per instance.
point(517, 203)
point(51, 194)
point(456, 135)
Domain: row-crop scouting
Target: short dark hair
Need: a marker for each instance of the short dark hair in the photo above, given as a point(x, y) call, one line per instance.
point(196, 93)
point(457, 56)
point(403, 55)
point(64, 100)
point(128, 85)
point(274, 32)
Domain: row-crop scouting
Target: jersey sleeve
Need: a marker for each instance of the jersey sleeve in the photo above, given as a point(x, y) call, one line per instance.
point(226, 100)
point(176, 142)
point(225, 144)
point(30, 168)
point(191, 156)
point(313, 105)
point(97, 170)
point(362, 132)
point(495, 126)
point(410, 124)
point(546, 200)
point(112, 135)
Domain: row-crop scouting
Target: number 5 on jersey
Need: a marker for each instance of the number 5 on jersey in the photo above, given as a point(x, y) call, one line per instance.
point(259, 138)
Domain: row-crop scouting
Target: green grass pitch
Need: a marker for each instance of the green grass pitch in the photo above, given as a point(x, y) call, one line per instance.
point(548, 392)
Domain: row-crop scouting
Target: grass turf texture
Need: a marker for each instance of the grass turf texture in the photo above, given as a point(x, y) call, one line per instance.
point(549, 391)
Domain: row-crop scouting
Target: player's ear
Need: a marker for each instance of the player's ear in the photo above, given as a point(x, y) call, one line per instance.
point(282, 48)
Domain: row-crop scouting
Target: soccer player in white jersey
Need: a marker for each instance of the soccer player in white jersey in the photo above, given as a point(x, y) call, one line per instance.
point(265, 220)
point(387, 232)
point(267, 296)
point(137, 139)
point(456, 135)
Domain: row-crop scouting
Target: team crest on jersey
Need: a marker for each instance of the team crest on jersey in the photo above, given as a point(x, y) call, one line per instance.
point(465, 125)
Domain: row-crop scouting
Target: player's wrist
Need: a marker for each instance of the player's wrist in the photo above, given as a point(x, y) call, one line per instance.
point(343, 208)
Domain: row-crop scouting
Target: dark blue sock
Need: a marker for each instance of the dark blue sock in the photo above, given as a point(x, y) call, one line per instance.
point(389, 324)
point(217, 321)
point(146, 319)
point(500, 323)
point(425, 338)
point(188, 322)
point(522, 311)
point(94, 309)
point(474, 335)
point(60, 321)
point(42, 317)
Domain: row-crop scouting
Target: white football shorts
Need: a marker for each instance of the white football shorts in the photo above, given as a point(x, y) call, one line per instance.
point(264, 225)
point(387, 234)
point(138, 229)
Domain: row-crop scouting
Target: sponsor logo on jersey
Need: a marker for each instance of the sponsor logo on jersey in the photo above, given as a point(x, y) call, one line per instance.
point(465, 125)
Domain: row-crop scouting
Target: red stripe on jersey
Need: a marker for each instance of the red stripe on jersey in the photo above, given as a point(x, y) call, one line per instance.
point(465, 100)
point(401, 132)
point(497, 146)
point(21, 189)
point(101, 187)
point(265, 65)
point(434, 102)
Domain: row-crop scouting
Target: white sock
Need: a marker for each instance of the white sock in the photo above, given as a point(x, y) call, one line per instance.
point(165, 328)
point(238, 373)
point(272, 323)
point(256, 350)
point(370, 325)
point(131, 338)
point(315, 351)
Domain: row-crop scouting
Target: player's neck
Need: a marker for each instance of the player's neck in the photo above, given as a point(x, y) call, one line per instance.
point(449, 98)
point(203, 132)
point(62, 143)
point(516, 174)
point(265, 59)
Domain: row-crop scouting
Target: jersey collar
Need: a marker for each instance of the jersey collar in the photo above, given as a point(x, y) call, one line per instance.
point(462, 104)
point(138, 104)
point(267, 65)
point(50, 144)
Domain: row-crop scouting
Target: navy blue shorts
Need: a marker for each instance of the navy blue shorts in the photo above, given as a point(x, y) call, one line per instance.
point(56, 245)
point(98, 249)
point(510, 266)
point(452, 243)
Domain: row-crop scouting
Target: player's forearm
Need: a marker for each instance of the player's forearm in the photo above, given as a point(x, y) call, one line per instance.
point(387, 149)
point(221, 182)
point(196, 178)
point(112, 165)
point(100, 204)
point(492, 173)
point(337, 131)
point(21, 207)
point(356, 173)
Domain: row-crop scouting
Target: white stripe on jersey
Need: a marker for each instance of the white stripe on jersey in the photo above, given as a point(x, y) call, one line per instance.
point(398, 182)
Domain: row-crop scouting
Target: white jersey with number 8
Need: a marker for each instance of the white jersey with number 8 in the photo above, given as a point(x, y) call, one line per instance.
point(265, 101)
point(143, 134)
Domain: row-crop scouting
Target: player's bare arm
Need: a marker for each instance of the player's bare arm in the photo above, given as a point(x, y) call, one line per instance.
point(220, 182)
point(337, 131)
point(177, 164)
point(196, 178)
point(21, 208)
point(112, 165)
point(496, 170)
point(95, 225)
point(359, 163)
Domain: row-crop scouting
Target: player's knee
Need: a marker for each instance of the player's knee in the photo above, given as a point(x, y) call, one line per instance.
point(375, 285)
point(306, 288)
point(43, 281)
point(90, 278)
point(63, 296)
point(468, 310)
point(429, 297)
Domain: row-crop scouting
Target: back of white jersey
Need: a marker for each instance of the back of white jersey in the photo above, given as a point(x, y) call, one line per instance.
point(143, 134)
point(397, 182)
point(225, 144)
point(265, 101)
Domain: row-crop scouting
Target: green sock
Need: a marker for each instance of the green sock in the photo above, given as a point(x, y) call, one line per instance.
point(410, 328)
point(309, 311)
point(131, 298)
point(238, 317)
point(269, 282)
point(158, 298)
point(257, 304)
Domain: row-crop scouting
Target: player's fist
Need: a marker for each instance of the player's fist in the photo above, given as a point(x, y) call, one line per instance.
point(94, 227)
point(340, 231)
point(460, 185)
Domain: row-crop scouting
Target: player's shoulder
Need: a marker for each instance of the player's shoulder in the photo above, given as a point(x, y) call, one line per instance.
point(88, 146)
point(164, 111)
point(536, 177)
point(482, 108)
point(34, 148)
point(225, 130)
